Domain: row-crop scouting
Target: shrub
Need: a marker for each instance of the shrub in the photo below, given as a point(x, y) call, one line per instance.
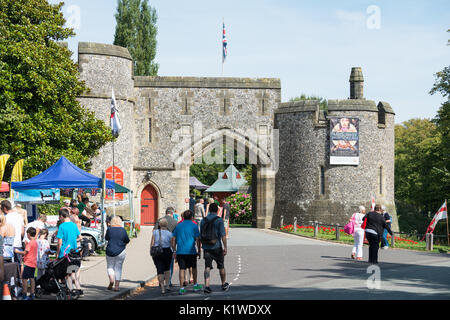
point(241, 208)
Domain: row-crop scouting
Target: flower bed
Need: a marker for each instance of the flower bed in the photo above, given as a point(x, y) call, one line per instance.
point(329, 233)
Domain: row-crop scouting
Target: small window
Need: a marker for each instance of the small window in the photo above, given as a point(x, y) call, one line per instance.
point(381, 115)
point(150, 130)
point(322, 180)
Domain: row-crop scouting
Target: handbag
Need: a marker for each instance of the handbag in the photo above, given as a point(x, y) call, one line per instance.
point(349, 228)
point(156, 251)
point(363, 226)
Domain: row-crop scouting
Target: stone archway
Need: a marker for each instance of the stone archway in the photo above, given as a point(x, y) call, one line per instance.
point(264, 167)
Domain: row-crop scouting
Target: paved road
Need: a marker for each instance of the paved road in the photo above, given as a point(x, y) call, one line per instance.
point(264, 264)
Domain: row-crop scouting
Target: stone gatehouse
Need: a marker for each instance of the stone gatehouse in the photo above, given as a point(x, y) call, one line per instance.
point(169, 122)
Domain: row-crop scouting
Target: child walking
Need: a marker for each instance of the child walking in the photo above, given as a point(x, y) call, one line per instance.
point(43, 252)
point(30, 264)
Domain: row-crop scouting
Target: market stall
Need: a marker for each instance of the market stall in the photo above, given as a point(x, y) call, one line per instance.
point(64, 174)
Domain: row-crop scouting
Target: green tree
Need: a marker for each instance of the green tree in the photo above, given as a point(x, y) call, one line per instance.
point(136, 30)
point(416, 152)
point(442, 120)
point(40, 117)
point(323, 104)
point(208, 173)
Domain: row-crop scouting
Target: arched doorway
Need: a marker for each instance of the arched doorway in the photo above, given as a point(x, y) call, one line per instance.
point(149, 206)
point(263, 158)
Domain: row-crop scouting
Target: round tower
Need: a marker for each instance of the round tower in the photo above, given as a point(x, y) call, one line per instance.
point(105, 67)
point(325, 173)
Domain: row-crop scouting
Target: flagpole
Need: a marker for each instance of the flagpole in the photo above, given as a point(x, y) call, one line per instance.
point(114, 186)
point(446, 209)
point(223, 22)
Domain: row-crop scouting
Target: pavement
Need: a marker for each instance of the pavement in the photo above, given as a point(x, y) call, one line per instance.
point(138, 270)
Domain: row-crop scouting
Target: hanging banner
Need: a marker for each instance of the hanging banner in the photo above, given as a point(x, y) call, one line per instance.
point(16, 175)
point(118, 177)
point(344, 141)
point(37, 196)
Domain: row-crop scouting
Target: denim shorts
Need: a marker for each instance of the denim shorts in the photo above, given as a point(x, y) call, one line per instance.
point(216, 255)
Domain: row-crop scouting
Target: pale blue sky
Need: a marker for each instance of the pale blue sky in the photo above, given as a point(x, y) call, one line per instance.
point(309, 45)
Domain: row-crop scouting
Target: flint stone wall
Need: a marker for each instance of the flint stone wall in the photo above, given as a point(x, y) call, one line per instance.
point(304, 148)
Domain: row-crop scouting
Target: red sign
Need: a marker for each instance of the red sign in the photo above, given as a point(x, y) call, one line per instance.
point(118, 178)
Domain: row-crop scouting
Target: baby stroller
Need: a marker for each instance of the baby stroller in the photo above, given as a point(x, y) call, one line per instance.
point(53, 279)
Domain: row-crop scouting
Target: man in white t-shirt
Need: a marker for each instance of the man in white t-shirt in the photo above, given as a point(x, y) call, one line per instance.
point(15, 219)
point(38, 224)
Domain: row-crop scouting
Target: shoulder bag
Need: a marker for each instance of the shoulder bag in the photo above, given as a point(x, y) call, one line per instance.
point(349, 228)
point(156, 251)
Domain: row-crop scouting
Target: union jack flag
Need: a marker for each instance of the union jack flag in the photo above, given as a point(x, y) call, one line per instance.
point(224, 44)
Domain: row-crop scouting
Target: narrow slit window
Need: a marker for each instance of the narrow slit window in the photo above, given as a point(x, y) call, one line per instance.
point(322, 180)
point(150, 130)
point(381, 116)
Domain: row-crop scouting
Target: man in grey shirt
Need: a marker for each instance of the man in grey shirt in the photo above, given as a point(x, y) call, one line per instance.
point(171, 222)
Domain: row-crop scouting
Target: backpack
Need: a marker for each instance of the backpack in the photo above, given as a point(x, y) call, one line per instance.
point(208, 234)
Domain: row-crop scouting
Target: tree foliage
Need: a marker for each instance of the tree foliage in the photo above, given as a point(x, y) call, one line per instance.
point(40, 117)
point(136, 30)
point(208, 173)
point(416, 154)
point(323, 104)
point(422, 162)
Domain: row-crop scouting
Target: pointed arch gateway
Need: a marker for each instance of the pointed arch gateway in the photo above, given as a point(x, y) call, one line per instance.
point(264, 161)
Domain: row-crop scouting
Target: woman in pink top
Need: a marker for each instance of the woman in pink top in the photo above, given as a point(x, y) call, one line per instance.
point(358, 235)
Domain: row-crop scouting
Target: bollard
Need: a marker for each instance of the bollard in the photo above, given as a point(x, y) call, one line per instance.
point(316, 228)
point(282, 222)
point(429, 245)
point(393, 240)
point(295, 224)
point(338, 233)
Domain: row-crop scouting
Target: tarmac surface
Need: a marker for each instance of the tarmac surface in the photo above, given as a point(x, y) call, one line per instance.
point(270, 265)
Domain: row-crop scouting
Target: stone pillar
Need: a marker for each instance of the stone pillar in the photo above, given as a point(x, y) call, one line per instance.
point(181, 180)
point(265, 197)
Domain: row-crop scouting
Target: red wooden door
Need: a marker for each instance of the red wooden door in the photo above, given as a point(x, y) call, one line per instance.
point(149, 206)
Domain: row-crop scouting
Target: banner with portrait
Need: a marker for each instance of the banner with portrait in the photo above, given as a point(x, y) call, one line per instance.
point(344, 141)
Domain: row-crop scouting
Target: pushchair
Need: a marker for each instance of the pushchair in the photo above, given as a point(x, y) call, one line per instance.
point(53, 279)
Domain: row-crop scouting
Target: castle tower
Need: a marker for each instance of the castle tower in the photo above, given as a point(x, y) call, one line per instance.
point(356, 84)
point(104, 67)
point(334, 160)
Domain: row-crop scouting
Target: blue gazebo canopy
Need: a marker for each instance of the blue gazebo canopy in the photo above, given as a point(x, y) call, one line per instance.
point(62, 174)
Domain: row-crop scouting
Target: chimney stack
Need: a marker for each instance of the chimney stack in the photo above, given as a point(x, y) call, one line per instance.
point(356, 84)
